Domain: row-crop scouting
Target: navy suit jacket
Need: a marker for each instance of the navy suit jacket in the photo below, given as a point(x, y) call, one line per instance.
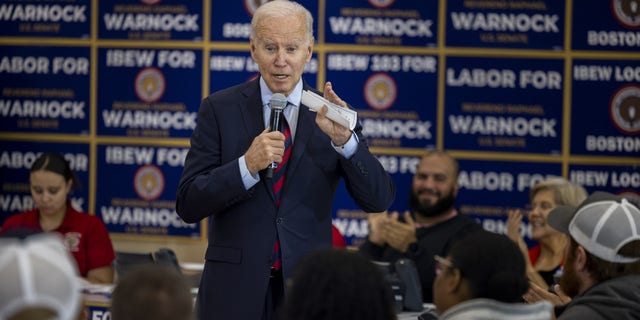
point(243, 223)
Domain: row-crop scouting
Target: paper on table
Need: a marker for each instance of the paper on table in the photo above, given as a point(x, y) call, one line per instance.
point(343, 116)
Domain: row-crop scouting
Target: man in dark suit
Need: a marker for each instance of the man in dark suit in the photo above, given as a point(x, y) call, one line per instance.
point(223, 178)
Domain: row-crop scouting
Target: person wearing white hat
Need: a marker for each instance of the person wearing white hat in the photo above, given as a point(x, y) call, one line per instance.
point(602, 268)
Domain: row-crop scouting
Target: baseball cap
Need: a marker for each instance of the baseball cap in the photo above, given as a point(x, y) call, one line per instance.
point(602, 224)
point(38, 271)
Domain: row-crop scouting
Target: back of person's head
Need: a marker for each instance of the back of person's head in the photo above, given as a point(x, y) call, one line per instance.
point(608, 228)
point(152, 291)
point(337, 284)
point(39, 278)
point(565, 192)
point(56, 163)
point(492, 265)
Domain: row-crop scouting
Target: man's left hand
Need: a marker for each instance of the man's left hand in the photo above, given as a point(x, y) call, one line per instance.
point(339, 135)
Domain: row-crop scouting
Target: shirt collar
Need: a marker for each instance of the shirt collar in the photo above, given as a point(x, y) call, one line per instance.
point(294, 98)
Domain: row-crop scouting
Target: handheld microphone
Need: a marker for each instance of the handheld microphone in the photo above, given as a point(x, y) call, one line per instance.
point(277, 104)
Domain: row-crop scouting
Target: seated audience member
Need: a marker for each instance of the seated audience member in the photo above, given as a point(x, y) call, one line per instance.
point(51, 180)
point(332, 284)
point(483, 277)
point(545, 259)
point(437, 222)
point(153, 292)
point(602, 268)
point(38, 278)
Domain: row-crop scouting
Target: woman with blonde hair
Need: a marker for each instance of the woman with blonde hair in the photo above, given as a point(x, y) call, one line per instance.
point(546, 258)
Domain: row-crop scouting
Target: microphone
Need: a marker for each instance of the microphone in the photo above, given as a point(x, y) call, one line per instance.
point(277, 104)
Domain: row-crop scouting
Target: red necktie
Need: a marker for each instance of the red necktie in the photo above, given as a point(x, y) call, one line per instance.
point(279, 176)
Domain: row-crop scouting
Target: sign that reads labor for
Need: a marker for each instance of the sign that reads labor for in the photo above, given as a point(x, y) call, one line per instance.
point(228, 68)
point(150, 20)
point(231, 20)
point(395, 95)
point(611, 25)
point(528, 24)
point(148, 92)
point(53, 18)
point(501, 104)
point(16, 158)
point(136, 190)
point(489, 188)
point(44, 89)
point(382, 22)
point(618, 179)
point(351, 220)
point(609, 92)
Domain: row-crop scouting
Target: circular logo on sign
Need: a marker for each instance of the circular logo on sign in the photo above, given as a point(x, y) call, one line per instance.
point(381, 3)
point(627, 12)
point(150, 85)
point(252, 5)
point(380, 91)
point(148, 182)
point(625, 109)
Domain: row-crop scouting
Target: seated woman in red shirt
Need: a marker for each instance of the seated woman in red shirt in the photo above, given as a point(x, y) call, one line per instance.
point(86, 236)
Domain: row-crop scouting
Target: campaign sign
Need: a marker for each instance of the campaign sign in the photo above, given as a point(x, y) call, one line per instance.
point(618, 179)
point(609, 92)
point(229, 68)
point(502, 104)
point(52, 18)
point(231, 20)
point(44, 89)
point(489, 188)
point(16, 158)
point(611, 25)
point(351, 220)
point(150, 20)
point(148, 92)
point(529, 24)
point(382, 22)
point(136, 190)
point(395, 95)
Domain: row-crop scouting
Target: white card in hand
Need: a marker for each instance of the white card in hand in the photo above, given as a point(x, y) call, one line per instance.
point(343, 116)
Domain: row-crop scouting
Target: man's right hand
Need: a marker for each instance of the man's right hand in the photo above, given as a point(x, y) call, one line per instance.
point(266, 148)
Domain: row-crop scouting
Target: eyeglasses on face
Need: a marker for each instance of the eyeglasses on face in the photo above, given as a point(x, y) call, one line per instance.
point(441, 263)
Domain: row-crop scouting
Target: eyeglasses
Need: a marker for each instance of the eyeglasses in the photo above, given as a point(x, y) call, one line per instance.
point(441, 263)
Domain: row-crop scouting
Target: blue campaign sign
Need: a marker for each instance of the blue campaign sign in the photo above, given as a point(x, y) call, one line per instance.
point(228, 68)
point(382, 23)
point(506, 24)
point(148, 92)
point(44, 89)
point(16, 158)
point(501, 104)
point(609, 91)
point(136, 190)
point(150, 20)
point(605, 25)
point(51, 19)
point(231, 20)
point(395, 95)
point(618, 179)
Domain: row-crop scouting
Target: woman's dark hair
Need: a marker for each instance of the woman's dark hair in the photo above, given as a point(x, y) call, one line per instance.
point(55, 163)
point(338, 284)
point(492, 264)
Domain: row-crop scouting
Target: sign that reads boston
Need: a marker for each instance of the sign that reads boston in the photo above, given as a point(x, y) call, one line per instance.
point(606, 25)
point(395, 95)
point(528, 24)
point(53, 18)
point(231, 20)
point(150, 20)
point(382, 23)
point(44, 89)
point(609, 91)
point(617, 179)
point(136, 190)
point(16, 159)
point(148, 92)
point(229, 68)
point(499, 104)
